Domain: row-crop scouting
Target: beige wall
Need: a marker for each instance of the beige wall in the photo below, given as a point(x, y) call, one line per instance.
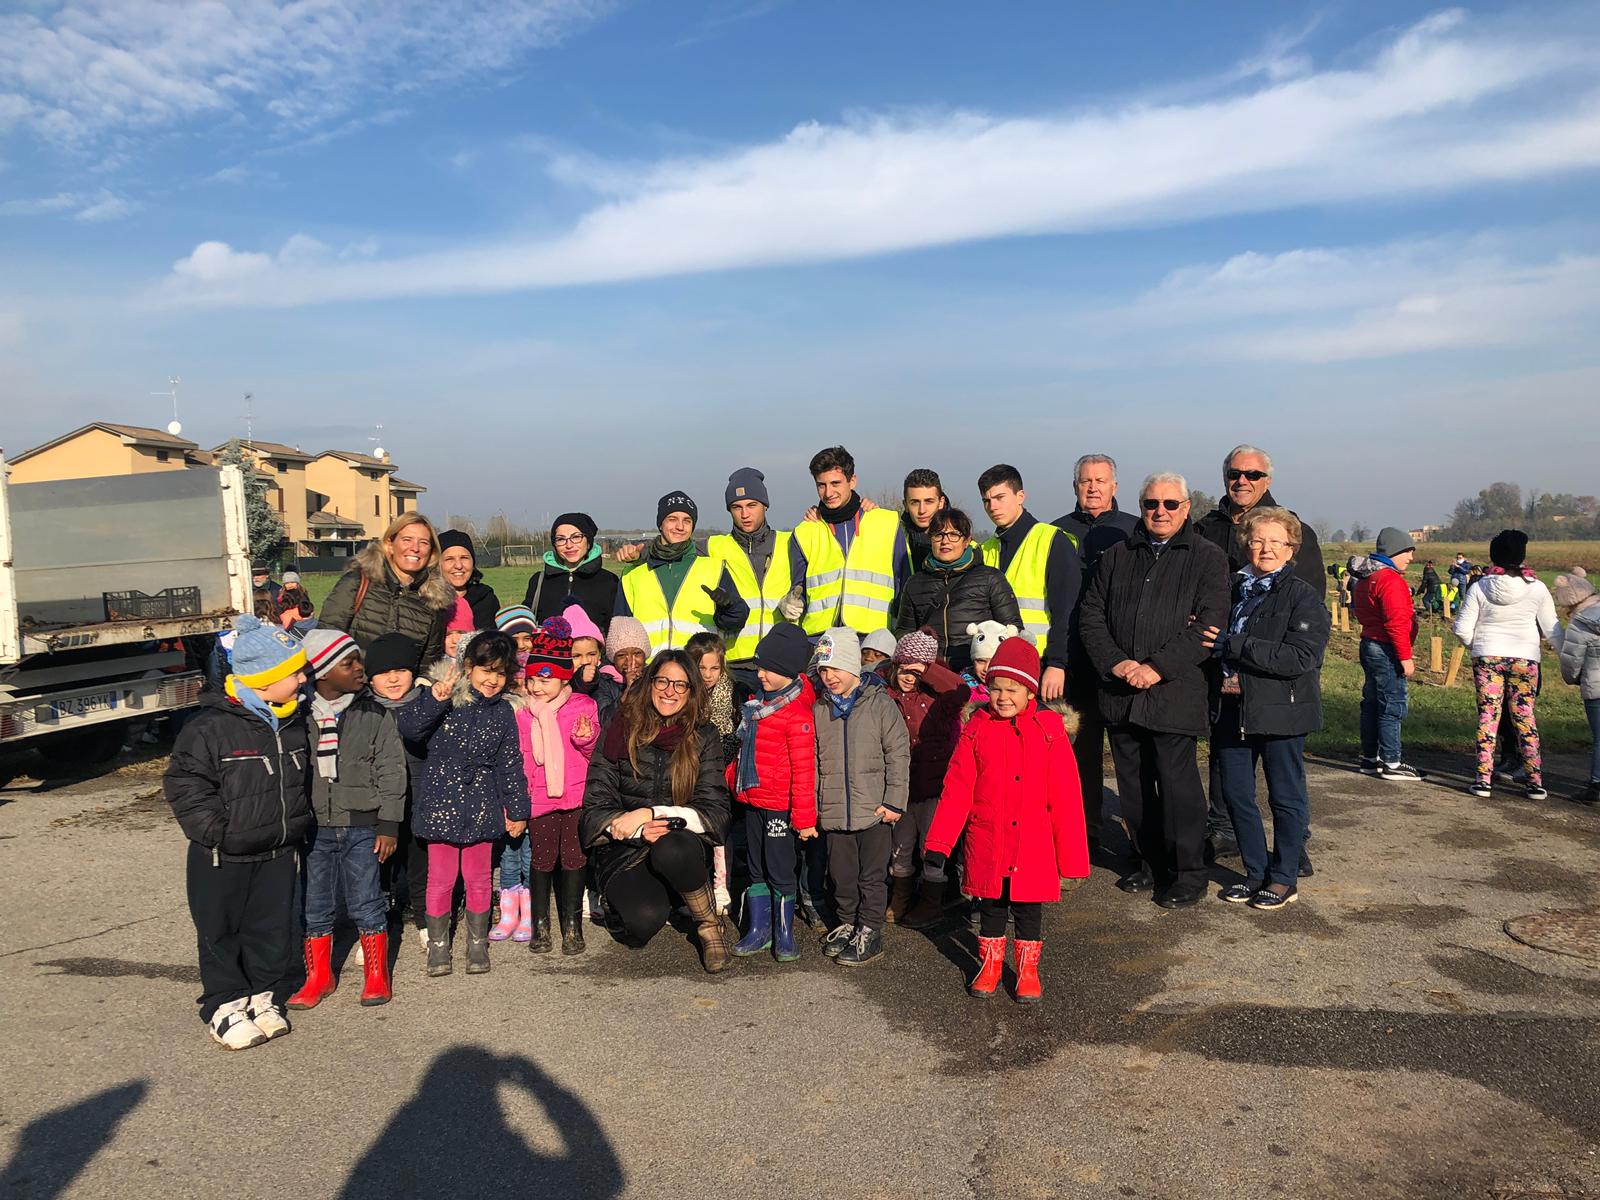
point(352, 492)
point(287, 495)
point(92, 453)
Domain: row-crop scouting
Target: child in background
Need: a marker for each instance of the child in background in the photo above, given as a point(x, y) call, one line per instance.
point(628, 648)
point(863, 766)
point(518, 621)
point(774, 778)
point(459, 626)
point(986, 639)
point(725, 698)
point(473, 789)
point(1013, 787)
point(930, 697)
point(358, 794)
point(295, 609)
point(558, 730)
point(394, 685)
point(877, 648)
point(244, 822)
point(592, 676)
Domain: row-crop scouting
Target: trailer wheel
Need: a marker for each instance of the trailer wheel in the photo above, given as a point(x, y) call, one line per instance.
point(94, 745)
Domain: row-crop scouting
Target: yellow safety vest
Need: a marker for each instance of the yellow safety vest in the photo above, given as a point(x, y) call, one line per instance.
point(762, 596)
point(1026, 575)
point(858, 591)
point(691, 612)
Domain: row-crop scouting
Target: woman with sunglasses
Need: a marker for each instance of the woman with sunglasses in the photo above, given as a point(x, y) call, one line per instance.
point(573, 574)
point(954, 589)
point(655, 800)
point(1265, 700)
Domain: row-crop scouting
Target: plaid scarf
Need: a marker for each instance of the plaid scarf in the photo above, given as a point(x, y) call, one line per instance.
point(1253, 590)
point(746, 775)
point(326, 714)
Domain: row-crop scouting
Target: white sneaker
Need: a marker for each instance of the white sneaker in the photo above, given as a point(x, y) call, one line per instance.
point(232, 1029)
point(268, 1016)
point(422, 939)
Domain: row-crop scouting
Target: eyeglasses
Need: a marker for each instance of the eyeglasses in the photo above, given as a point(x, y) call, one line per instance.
point(1267, 543)
point(946, 535)
point(569, 539)
point(1152, 504)
point(1233, 473)
point(678, 687)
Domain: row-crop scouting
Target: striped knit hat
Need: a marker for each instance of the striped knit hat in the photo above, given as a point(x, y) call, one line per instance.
point(516, 618)
point(325, 648)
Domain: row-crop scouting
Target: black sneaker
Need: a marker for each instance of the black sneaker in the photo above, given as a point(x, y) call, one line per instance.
point(1480, 789)
point(837, 940)
point(1589, 795)
point(1268, 901)
point(1239, 893)
point(865, 945)
point(1535, 791)
point(1511, 773)
point(1399, 770)
point(1371, 766)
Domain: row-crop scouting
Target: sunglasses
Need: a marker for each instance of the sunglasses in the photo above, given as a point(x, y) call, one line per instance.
point(1233, 473)
point(1169, 505)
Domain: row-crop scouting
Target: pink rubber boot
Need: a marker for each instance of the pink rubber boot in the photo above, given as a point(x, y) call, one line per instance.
point(511, 910)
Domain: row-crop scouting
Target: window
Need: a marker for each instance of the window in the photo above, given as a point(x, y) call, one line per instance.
point(282, 467)
point(280, 500)
point(377, 506)
point(162, 456)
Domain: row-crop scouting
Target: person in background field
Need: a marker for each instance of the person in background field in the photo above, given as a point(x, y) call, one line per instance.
point(955, 590)
point(1431, 589)
point(674, 590)
point(863, 773)
point(763, 563)
point(458, 563)
point(244, 821)
point(1459, 571)
point(628, 648)
point(592, 676)
point(394, 685)
point(1580, 661)
point(1042, 566)
point(724, 698)
point(774, 778)
point(1382, 606)
point(1150, 604)
point(261, 585)
point(1268, 698)
point(877, 648)
point(930, 697)
point(922, 496)
point(1012, 787)
point(1096, 524)
point(296, 612)
point(1502, 618)
point(855, 557)
point(473, 791)
point(358, 795)
point(574, 573)
point(394, 586)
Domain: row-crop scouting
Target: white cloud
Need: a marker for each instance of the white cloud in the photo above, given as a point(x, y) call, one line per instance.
point(1445, 105)
point(38, 206)
point(219, 264)
point(106, 207)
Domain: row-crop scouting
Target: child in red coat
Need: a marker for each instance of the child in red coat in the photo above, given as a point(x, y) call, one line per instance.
point(1013, 786)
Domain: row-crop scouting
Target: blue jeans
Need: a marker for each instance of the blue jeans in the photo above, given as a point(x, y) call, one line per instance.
point(1283, 761)
point(336, 855)
point(516, 859)
point(1592, 709)
point(1383, 702)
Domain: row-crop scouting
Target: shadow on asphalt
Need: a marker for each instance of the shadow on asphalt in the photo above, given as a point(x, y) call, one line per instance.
point(53, 1150)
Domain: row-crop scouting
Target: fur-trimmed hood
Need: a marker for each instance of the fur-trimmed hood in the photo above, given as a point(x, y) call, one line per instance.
point(433, 590)
point(462, 692)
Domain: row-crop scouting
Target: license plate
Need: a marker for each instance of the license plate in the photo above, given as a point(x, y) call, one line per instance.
point(80, 706)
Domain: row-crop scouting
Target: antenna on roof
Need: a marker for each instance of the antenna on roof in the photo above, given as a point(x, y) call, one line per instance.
point(377, 441)
point(172, 381)
point(249, 421)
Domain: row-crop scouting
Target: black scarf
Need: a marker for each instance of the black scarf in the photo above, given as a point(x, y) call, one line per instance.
point(845, 512)
point(662, 551)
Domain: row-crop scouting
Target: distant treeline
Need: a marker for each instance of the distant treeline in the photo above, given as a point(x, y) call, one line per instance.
point(1550, 517)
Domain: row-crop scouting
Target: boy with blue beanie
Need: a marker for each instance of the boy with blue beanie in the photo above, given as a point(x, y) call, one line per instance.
point(237, 783)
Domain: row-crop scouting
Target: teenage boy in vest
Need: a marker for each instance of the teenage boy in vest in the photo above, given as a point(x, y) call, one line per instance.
point(1041, 564)
point(677, 592)
point(762, 562)
point(856, 559)
point(921, 499)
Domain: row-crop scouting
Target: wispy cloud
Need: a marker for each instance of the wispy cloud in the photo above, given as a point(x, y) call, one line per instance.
point(106, 207)
point(1444, 105)
point(38, 206)
point(103, 205)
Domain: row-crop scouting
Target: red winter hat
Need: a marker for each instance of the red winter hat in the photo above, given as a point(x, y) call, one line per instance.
point(1016, 659)
point(551, 653)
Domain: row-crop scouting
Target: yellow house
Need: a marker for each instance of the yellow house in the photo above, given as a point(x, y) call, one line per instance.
point(100, 448)
point(354, 486)
point(284, 469)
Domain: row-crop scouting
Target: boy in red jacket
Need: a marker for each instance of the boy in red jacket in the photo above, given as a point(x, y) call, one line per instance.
point(1388, 631)
point(1013, 786)
point(775, 778)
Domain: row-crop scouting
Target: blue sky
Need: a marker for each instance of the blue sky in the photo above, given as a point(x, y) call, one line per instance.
point(575, 254)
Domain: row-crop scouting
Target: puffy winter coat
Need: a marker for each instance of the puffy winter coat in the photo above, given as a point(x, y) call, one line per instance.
point(1580, 652)
point(599, 591)
point(863, 760)
point(1382, 604)
point(948, 601)
point(1278, 658)
point(472, 781)
point(370, 787)
point(615, 788)
point(577, 751)
point(786, 760)
point(1503, 616)
point(418, 609)
point(236, 786)
point(932, 712)
point(1013, 787)
point(1153, 609)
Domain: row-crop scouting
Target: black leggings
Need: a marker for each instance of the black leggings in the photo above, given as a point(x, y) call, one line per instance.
point(641, 896)
point(1029, 916)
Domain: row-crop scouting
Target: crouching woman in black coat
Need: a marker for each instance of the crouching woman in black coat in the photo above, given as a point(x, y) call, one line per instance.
point(655, 799)
point(1268, 696)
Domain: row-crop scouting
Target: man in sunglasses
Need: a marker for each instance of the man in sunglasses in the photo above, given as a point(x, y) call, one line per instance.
point(1150, 605)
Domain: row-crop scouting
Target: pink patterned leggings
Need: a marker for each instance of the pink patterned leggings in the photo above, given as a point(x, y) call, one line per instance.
point(1514, 682)
point(474, 863)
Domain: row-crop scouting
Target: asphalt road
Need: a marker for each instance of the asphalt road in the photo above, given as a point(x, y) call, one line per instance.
point(1383, 1037)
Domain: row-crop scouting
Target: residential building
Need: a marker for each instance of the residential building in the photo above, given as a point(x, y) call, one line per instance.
point(100, 448)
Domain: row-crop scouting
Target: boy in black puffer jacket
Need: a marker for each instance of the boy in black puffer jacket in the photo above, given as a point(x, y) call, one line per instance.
point(237, 783)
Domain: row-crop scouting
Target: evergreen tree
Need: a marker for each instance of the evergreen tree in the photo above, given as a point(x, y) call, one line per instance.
point(268, 536)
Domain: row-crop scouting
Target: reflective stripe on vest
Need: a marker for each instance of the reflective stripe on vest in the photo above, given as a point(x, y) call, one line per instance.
point(763, 597)
point(1026, 575)
point(692, 611)
point(858, 591)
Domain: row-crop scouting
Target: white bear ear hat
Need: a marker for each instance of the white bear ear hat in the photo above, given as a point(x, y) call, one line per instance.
point(987, 636)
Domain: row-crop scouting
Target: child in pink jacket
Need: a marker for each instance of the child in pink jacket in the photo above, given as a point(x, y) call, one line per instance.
point(558, 729)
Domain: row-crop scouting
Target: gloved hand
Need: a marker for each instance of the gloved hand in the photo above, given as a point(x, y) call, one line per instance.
point(793, 606)
point(719, 596)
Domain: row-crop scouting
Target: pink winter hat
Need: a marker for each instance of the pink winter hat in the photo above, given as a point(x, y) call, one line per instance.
point(627, 633)
point(582, 626)
point(461, 618)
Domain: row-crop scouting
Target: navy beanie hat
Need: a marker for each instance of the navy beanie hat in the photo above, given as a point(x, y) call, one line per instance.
point(676, 502)
point(746, 483)
point(582, 522)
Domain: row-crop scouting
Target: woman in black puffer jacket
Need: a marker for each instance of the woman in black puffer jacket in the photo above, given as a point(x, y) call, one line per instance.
point(659, 764)
point(394, 586)
point(574, 573)
point(953, 589)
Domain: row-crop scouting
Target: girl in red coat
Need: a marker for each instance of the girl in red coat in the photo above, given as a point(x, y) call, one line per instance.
point(1013, 786)
point(775, 777)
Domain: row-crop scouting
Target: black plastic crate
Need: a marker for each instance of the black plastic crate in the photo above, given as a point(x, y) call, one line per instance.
point(136, 606)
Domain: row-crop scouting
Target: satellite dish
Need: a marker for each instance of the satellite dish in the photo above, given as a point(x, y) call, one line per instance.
point(174, 428)
point(379, 453)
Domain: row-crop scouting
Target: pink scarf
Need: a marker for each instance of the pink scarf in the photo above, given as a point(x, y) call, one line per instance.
point(1525, 572)
point(547, 749)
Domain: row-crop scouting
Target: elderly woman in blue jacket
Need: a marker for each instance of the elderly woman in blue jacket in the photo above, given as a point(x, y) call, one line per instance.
point(1266, 698)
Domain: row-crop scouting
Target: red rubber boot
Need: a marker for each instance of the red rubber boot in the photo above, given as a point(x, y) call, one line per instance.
point(375, 948)
point(991, 961)
point(320, 983)
point(1029, 989)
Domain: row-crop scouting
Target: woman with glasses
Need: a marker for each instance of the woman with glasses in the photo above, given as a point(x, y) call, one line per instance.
point(954, 589)
point(654, 801)
point(574, 574)
point(1267, 697)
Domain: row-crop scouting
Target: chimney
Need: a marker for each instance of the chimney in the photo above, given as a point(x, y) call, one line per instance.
point(383, 456)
